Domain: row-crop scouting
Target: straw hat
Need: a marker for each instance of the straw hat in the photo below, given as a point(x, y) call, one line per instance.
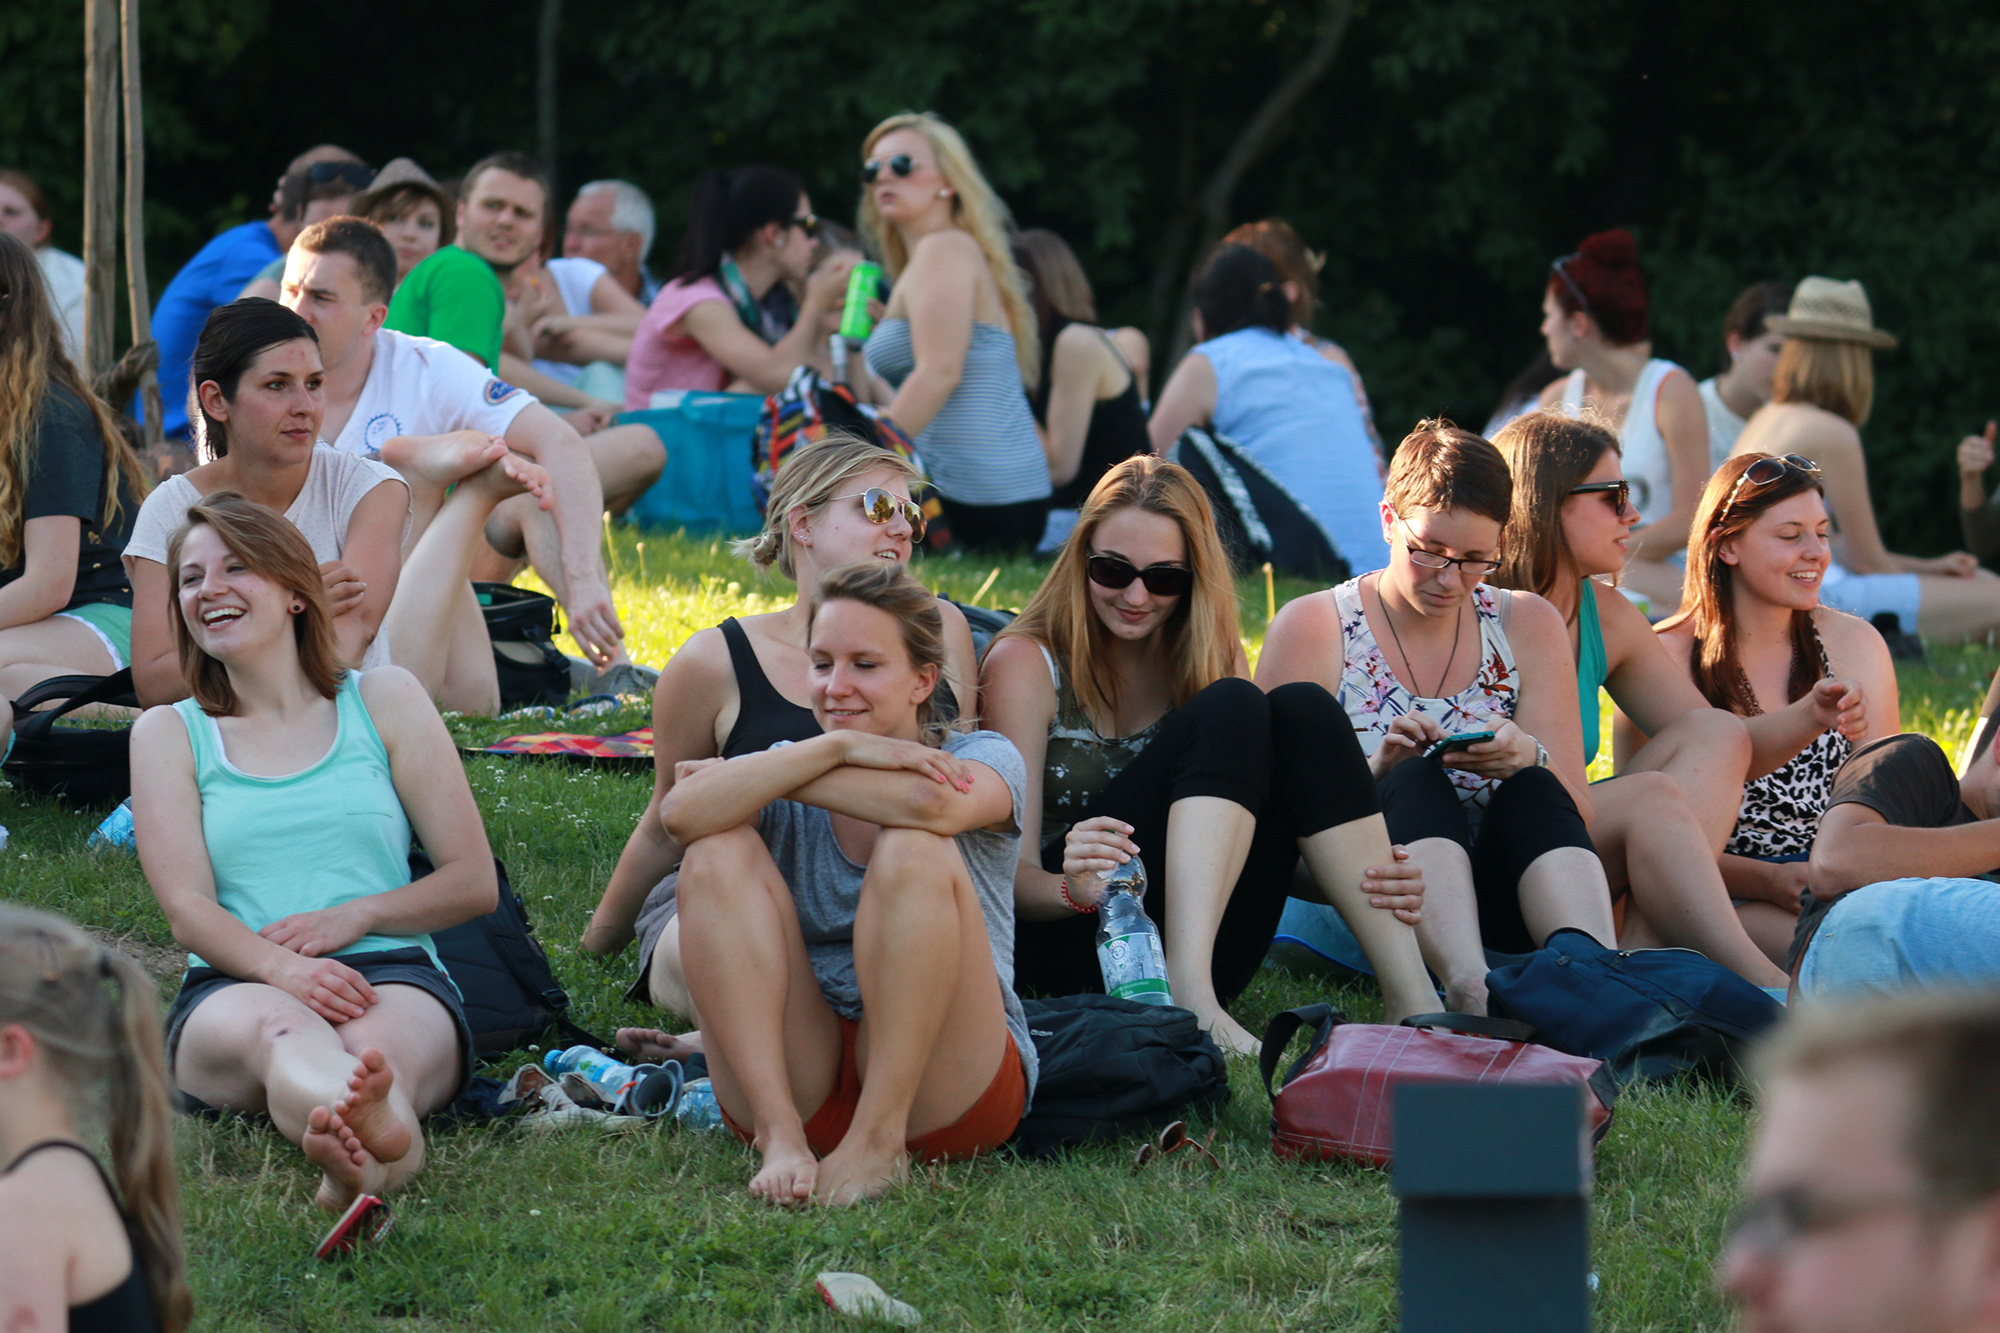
point(1831, 311)
point(404, 172)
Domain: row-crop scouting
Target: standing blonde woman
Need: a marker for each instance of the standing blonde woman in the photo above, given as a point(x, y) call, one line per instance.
point(958, 342)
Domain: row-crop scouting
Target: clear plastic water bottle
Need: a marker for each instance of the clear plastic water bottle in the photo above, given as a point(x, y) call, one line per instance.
point(648, 1090)
point(116, 830)
point(1128, 943)
point(698, 1109)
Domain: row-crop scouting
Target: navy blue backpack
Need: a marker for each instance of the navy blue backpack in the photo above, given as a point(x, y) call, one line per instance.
point(1647, 1013)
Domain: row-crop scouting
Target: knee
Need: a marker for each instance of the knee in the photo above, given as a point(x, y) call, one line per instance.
point(910, 858)
point(1233, 702)
point(1304, 701)
point(1416, 779)
point(1652, 792)
point(719, 862)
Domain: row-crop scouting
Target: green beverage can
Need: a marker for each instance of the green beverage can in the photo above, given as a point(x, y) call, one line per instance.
point(862, 285)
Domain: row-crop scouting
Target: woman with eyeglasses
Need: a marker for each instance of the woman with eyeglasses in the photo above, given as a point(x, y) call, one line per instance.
point(1464, 700)
point(743, 685)
point(957, 344)
point(1594, 322)
point(1123, 684)
point(748, 230)
point(1660, 826)
point(1754, 638)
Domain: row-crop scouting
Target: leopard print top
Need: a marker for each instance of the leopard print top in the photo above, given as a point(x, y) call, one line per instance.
point(1781, 810)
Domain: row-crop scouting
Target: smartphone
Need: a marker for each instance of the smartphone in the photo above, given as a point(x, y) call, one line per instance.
point(1458, 741)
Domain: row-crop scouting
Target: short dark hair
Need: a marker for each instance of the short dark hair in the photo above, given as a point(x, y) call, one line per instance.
point(514, 164)
point(234, 336)
point(727, 209)
point(1442, 466)
point(1756, 303)
point(374, 258)
point(297, 188)
point(1239, 288)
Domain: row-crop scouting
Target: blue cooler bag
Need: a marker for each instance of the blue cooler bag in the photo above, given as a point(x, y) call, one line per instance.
point(707, 483)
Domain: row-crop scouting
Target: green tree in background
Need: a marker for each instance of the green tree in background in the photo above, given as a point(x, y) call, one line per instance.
point(1450, 149)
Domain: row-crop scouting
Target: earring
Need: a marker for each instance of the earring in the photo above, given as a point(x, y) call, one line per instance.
point(298, 608)
point(799, 535)
point(944, 192)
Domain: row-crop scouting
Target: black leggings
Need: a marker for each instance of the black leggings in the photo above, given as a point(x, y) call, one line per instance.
point(1531, 813)
point(1289, 757)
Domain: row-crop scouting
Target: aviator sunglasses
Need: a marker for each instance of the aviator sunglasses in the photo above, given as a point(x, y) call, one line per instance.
point(879, 506)
point(1762, 473)
point(1116, 572)
point(902, 164)
point(1618, 492)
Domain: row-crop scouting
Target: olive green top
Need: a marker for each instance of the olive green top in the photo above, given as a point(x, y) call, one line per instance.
point(1080, 763)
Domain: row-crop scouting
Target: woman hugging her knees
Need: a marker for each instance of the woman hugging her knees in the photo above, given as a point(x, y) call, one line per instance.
point(1124, 686)
point(1424, 652)
point(274, 811)
point(846, 914)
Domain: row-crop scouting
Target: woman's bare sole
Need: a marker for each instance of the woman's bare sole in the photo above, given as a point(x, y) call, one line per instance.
point(331, 1145)
point(366, 1110)
point(654, 1045)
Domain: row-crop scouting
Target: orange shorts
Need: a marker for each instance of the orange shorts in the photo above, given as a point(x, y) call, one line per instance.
point(985, 1126)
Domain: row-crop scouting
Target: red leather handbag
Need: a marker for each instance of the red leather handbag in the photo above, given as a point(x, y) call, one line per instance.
point(1337, 1098)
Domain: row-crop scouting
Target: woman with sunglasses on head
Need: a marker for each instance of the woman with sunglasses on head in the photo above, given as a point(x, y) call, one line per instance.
point(745, 684)
point(1424, 653)
point(958, 342)
point(1754, 638)
point(1123, 684)
point(1660, 826)
point(1821, 393)
point(748, 230)
point(1594, 322)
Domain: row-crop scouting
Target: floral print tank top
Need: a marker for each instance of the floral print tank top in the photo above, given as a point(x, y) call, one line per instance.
point(1374, 698)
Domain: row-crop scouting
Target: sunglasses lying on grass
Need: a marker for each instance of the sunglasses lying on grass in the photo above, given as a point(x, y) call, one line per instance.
point(1172, 1139)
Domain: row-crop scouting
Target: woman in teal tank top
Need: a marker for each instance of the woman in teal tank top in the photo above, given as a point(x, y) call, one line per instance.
point(1660, 826)
point(274, 814)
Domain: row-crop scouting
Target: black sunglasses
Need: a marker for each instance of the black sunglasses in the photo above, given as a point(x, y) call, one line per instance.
point(319, 173)
point(902, 164)
point(1561, 269)
point(1619, 492)
point(1116, 572)
point(1762, 473)
point(809, 224)
point(879, 506)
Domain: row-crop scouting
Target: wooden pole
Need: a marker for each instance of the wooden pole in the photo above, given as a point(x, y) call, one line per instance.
point(100, 182)
point(546, 35)
point(135, 225)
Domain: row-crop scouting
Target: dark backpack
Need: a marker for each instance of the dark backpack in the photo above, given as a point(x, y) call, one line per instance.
point(985, 622)
point(85, 766)
point(1112, 1068)
point(1647, 1013)
point(522, 626)
point(1255, 515)
point(511, 996)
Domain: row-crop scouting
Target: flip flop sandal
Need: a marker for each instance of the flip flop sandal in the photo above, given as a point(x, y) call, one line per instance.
point(366, 1219)
point(859, 1297)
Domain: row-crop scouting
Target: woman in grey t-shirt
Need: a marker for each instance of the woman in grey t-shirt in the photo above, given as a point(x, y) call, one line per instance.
point(846, 908)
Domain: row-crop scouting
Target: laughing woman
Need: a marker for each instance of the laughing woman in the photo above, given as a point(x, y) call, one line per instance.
point(847, 914)
point(274, 811)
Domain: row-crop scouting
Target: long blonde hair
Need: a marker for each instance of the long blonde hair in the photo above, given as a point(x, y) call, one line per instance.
point(812, 476)
point(977, 211)
point(33, 365)
point(1198, 643)
point(1838, 376)
point(96, 1016)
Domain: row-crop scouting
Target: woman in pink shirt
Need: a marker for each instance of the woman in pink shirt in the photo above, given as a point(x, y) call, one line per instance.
point(751, 229)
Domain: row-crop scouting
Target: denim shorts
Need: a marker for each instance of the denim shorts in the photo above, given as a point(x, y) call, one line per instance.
point(407, 967)
point(1903, 934)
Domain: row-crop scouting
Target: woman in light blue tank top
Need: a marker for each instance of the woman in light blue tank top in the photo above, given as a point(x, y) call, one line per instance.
point(1659, 826)
point(274, 812)
point(1292, 410)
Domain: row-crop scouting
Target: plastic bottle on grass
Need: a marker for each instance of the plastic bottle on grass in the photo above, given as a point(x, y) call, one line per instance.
point(697, 1109)
point(648, 1090)
point(1128, 943)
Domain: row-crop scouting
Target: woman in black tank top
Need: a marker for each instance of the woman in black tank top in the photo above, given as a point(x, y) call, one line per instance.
point(834, 503)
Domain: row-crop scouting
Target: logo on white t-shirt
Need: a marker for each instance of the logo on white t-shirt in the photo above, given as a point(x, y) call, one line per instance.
point(499, 391)
point(381, 427)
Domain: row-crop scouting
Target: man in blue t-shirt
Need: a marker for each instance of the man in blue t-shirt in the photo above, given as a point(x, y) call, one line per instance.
point(219, 271)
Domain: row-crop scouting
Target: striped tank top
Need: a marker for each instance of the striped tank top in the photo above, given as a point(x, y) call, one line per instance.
point(981, 448)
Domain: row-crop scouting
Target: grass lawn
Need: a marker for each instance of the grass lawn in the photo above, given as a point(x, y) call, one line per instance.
point(510, 1230)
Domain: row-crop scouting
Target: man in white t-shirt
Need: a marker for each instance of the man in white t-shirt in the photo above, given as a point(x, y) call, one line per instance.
point(1730, 398)
point(439, 418)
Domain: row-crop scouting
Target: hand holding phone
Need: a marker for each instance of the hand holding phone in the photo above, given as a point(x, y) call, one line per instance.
point(1458, 741)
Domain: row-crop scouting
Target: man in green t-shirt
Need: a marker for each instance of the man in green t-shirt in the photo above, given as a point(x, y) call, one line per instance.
point(455, 296)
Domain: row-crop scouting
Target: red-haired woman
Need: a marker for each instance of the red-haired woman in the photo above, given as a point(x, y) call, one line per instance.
point(1594, 321)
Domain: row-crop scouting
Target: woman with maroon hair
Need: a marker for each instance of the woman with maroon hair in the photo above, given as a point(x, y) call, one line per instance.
point(1594, 321)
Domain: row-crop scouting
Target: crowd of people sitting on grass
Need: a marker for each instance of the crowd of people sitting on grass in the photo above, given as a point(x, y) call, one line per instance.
point(870, 834)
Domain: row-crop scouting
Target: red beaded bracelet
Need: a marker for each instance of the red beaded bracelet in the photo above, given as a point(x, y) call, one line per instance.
point(1062, 887)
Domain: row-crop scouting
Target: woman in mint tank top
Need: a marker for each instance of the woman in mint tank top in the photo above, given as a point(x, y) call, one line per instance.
point(274, 811)
point(1660, 825)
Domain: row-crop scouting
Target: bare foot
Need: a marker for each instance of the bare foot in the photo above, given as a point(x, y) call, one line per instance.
point(1469, 998)
point(789, 1169)
point(443, 459)
point(1227, 1033)
point(367, 1112)
point(331, 1146)
point(509, 475)
point(856, 1171)
point(651, 1044)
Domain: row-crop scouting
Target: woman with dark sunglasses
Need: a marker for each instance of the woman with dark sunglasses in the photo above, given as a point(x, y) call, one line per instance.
point(1594, 322)
point(1464, 700)
point(749, 230)
point(1754, 638)
point(1661, 825)
point(957, 344)
point(1123, 684)
point(743, 685)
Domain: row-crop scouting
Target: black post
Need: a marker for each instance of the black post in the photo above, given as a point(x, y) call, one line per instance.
point(1494, 1181)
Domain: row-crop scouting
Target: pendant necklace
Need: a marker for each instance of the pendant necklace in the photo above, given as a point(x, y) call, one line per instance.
point(1457, 629)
